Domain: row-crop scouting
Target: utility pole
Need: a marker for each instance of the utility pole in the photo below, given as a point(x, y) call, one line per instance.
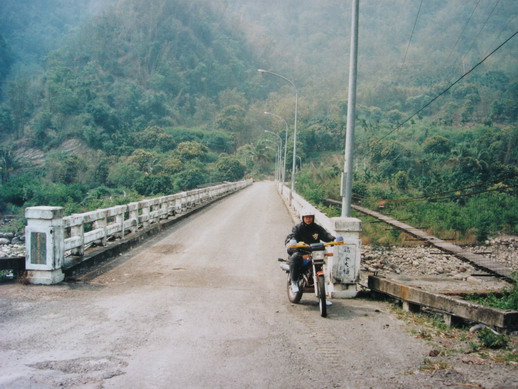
point(346, 186)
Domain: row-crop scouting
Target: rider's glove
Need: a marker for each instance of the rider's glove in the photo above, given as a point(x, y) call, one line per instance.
point(292, 242)
point(339, 239)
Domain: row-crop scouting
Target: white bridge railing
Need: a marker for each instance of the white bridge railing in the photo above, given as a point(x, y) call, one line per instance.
point(103, 224)
point(50, 236)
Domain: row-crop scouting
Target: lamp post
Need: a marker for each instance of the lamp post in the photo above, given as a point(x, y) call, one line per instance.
point(277, 159)
point(285, 145)
point(279, 151)
point(346, 187)
point(262, 71)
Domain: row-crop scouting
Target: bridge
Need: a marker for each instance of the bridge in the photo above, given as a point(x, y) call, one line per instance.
point(202, 304)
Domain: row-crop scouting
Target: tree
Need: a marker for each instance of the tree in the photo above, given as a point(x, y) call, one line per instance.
point(190, 178)
point(232, 118)
point(124, 175)
point(65, 169)
point(436, 145)
point(191, 150)
point(8, 163)
point(18, 100)
point(154, 185)
point(230, 169)
point(143, 160)
point(401, 180)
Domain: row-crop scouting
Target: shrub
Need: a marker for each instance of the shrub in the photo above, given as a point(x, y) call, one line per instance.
point(490, 339)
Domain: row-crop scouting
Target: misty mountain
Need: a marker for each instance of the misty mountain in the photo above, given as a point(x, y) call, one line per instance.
point(6, 60)
point(33, 28)
point(160, 95)
point(136, 65)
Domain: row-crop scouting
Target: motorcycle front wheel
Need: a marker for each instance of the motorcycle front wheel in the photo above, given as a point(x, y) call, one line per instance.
point(294, 297)
point(322, 296)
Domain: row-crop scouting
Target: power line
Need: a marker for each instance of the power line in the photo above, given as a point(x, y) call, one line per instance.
point(400, 125)
point(410, 40)
point(463, 29)
point(434, 196)
point(480, 31)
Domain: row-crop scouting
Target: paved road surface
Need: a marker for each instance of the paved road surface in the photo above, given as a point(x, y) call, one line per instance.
point(202, 306)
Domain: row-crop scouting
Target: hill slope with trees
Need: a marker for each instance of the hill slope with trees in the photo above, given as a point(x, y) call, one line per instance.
point(139, 98)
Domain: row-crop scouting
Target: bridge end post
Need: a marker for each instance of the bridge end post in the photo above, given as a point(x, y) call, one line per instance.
point(45, 234)
point(344, 265)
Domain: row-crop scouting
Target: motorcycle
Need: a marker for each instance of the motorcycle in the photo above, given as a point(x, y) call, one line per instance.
point(313, 277)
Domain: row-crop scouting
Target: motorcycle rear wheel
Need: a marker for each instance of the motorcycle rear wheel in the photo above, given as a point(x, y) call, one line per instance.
point(322, 296)
point(294, 297)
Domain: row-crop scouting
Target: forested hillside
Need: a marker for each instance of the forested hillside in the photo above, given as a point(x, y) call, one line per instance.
point(126, 98)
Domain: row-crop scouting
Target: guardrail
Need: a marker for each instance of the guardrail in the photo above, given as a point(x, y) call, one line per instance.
point(50, 236)
point(111, 223)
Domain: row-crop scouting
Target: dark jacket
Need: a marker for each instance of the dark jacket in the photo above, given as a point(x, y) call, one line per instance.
point(309, 233)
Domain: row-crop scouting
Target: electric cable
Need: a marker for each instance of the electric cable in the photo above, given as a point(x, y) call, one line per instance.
point(462, 32)
point(410, 40)
point(433, 196)
point(480, 31)
point(400, 125)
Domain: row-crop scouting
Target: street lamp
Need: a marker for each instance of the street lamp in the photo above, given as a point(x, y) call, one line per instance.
point(285, 145)
point(279, 150)
point(347, 176)
point(262, 71)
point(277, 159)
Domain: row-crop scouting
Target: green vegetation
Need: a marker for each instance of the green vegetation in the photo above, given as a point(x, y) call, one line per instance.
point(490, 339)
point(507, 300)
point(448, 341)
point(458, 183)
point(141, 99)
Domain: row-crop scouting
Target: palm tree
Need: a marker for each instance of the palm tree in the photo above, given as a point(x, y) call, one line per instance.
point(8, 163)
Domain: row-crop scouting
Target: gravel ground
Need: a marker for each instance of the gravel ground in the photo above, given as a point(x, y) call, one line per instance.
point(429, 263)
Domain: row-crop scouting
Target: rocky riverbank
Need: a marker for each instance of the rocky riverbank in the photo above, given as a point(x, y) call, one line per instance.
point(426, 260)
point(12, 244)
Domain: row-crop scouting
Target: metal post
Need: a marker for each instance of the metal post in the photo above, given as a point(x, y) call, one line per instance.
point(262, 71)
point(279, 148)
point(346, 188)
point(277, 155)
point(285, 145)
point(294, 146)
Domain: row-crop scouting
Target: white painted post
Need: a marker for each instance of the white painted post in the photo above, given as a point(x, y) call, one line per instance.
point(80, 232)
point(44, 245)
point(344, 265)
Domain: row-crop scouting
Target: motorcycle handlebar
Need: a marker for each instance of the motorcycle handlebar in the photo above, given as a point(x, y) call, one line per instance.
point(303, 245)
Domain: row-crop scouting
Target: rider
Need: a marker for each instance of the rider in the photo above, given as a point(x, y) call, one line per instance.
point(306, 231)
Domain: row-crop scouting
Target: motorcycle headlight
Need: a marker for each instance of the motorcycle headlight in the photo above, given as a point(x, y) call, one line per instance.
point(318, 254)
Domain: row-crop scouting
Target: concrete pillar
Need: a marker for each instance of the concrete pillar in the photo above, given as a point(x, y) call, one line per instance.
point(344, 265)
point(44, 245)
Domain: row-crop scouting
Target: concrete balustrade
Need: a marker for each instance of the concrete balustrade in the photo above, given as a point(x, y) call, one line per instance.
point(51, 236)
point(343, 268)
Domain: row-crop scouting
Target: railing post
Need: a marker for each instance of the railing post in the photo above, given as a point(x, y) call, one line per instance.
point(101, 224)
point(80, 232)
point(146, 213)
point(45, 236)
point(133, 217)
point(344, 265)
